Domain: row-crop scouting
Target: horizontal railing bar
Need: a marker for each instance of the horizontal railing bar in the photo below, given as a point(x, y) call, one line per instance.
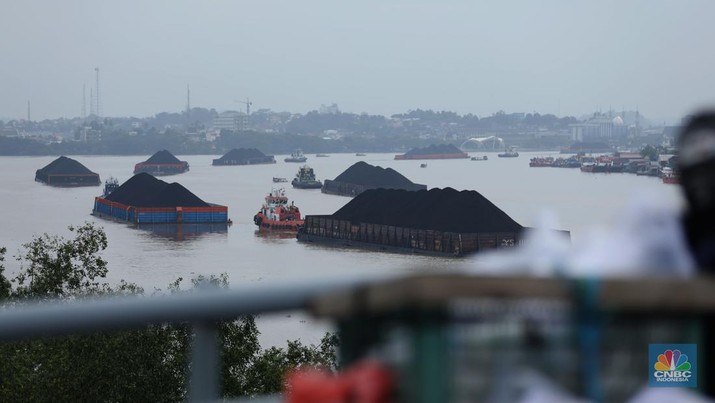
point(44, 319)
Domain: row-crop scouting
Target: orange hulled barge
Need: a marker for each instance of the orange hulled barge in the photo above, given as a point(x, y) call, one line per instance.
point(277, 214)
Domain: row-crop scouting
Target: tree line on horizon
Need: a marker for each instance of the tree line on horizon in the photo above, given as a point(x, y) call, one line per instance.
point(313, 132)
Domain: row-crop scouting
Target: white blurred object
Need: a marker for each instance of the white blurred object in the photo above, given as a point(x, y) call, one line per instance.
point(533, 387)
point(647, 240)
point(543, 252)
point(668, 395)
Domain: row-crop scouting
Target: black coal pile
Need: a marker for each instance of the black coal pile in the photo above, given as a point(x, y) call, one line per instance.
point(445, 210)
point(362, 173)
point(244, 156)
point(64, 166)
point(434, 149)
point(66, 172)
point(144, 190)
point(162, 157)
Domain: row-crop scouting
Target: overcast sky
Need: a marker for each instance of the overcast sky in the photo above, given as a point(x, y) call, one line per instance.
point(376, 56)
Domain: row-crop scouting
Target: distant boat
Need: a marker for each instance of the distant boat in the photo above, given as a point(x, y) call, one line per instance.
point(668, 175)
point(322, 155)
point(305, 179)
point(110, 185)
point(510, 153)
point(296, 156)
point(277, 214)
point(360, 154)
point(482, 158)
point(423, 165)
point(277, 180)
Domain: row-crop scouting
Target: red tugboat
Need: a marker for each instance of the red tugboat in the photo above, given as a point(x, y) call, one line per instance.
point(277, 214)
point(670, 176)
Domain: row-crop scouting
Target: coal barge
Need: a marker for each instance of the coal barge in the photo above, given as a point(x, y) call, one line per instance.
point(433, 152)
point(362, 176)
point(443, 222)
point(244, 156)
point(162, 163)
point(144, 199)
point(66, 172)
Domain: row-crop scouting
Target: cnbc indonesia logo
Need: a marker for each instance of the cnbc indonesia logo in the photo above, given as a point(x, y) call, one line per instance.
point(673, 365)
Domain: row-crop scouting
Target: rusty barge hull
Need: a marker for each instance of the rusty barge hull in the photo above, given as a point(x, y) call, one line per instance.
point(330, 231)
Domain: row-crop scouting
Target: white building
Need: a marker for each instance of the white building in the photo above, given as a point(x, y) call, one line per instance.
point(599, 128)
point(231, 120)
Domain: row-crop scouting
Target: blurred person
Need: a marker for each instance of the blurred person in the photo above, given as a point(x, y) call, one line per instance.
point(696, 162)
point(697, 175)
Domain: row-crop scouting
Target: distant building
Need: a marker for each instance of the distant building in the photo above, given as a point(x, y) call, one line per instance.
point(331, 109)
point(516, 117)
point(9, 132)
point(671, 135)
point(230, 120)
point(87, 134)
point(599, 128)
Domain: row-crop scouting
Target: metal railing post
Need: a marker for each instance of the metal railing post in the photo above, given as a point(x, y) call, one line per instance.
point(205, 371)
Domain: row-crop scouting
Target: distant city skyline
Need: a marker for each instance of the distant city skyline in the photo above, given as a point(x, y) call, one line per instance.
point(378, 57)
point(586, 115)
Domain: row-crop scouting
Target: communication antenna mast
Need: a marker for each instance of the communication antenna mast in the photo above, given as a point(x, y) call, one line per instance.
point(91, 101)
point(638, 122)
point(28, 110)
point(84, 102)
point(188, 103)
point(97, 97)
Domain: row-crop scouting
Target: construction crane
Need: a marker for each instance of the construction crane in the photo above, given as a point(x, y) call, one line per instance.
point(248, 104)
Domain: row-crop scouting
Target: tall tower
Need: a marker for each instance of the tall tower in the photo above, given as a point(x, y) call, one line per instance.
point(188, 103)
point(638, 122)
point(84, 101)
point(91, 102)
point(98, 108)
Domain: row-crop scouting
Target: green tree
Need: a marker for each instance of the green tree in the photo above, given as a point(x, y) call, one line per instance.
point(135, 365)
point(650, 152)
point(57, 267)
point(5, 287)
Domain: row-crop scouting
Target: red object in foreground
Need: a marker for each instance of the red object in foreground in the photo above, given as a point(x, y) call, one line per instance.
point(365, 382)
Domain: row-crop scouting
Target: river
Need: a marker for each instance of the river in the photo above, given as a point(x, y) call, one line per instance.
point(152, 260)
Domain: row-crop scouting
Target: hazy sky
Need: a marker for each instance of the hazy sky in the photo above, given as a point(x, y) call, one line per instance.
point(374, 56)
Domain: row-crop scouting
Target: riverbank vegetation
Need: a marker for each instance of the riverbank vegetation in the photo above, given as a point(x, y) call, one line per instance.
point(133, 365)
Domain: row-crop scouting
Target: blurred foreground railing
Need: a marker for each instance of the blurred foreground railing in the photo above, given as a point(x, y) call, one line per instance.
point(452, 337)
point(463, 338)
point(203, 308)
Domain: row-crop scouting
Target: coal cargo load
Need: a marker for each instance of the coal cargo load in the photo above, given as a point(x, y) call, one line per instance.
point(437, 222)
point(362, 176)
point(162, 163)
point(244, 156)
point(433, 152)
point(146, 199)
point(144, 190)
point(66, 172)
